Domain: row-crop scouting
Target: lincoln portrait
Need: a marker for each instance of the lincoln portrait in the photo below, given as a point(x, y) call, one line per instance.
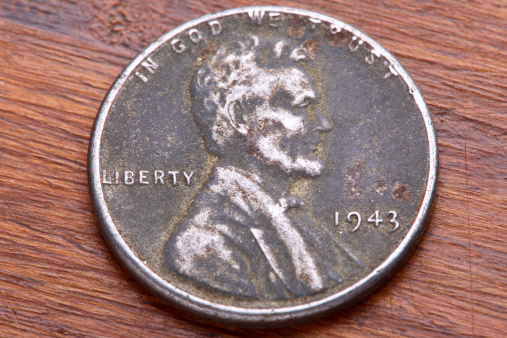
point(257, 110)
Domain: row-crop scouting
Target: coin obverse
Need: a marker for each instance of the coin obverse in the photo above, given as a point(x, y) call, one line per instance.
point(263, 166)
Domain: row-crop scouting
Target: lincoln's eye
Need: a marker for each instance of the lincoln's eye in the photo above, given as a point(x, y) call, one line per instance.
point(306, 102)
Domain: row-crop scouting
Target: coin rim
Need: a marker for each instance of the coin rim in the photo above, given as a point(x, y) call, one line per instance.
point(257, 317)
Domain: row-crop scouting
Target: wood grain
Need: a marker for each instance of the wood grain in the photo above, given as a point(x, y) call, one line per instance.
point(57, 276)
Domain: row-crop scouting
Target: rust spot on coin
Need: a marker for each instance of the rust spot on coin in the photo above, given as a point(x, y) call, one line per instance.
point(353, 190)
point(209, 51)
point(312, 46)
point(339, 38)
point(380, 187)
point(355, 173)
point(296, 28)
point(401, 192)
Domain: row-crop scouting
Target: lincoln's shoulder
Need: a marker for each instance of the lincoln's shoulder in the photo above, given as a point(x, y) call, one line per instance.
point(214, 236)
point(213, 220)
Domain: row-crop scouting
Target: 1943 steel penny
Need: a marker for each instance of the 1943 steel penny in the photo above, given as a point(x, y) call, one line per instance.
point(263, 166)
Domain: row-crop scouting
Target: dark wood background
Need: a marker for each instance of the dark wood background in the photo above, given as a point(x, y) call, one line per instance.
point(58, 277)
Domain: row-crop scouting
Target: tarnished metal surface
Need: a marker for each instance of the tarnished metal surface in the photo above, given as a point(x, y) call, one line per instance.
point(263, 166)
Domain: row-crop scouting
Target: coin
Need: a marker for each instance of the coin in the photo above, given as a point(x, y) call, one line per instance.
point(263, 166)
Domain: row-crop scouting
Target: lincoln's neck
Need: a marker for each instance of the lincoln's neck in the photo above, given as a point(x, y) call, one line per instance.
point(273, 179)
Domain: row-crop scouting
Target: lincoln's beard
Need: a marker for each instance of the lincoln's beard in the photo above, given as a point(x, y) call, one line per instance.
point(267, 149)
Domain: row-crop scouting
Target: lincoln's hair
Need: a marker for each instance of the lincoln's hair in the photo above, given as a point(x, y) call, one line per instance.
point(225, 89)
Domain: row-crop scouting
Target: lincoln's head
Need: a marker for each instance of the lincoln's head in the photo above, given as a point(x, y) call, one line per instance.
point(251, 96)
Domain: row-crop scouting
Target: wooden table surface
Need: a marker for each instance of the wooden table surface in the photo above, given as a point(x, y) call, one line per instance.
point(58, 277)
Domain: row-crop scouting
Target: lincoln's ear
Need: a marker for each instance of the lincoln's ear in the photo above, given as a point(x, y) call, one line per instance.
point(242, 112)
